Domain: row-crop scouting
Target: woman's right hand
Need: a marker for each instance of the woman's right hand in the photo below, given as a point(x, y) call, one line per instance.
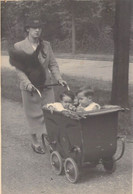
point(30, 88)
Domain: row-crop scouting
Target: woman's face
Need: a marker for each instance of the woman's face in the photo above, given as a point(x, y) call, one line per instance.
point(34, 32)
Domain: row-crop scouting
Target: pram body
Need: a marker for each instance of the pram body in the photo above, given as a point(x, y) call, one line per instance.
point(78, 142)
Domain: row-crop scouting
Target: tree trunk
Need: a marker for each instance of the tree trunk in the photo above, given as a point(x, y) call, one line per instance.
point(121, 52)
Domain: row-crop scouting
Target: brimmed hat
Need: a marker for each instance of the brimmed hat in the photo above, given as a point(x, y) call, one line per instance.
point(33, 23)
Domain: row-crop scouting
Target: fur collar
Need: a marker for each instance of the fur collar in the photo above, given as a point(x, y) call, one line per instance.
point(29, 64)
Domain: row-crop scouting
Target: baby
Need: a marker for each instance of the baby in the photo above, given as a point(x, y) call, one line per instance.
point(66, 103)
point(85, 99)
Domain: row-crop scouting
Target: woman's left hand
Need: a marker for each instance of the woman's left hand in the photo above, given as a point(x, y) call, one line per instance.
point(62, 82)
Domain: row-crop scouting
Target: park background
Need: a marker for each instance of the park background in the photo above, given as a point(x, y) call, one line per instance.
point(90, 23)
point(90, 53)
point(75, 29)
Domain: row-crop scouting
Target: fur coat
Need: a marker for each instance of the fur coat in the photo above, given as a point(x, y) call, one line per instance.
point(30, 65)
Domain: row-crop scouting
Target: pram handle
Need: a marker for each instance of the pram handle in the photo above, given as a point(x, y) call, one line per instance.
point(55, 84)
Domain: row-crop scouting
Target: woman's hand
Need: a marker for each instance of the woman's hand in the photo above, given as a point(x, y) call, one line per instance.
point(62, 82)
point(30, 88)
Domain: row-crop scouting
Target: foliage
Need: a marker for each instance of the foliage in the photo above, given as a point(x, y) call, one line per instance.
point(94, 21)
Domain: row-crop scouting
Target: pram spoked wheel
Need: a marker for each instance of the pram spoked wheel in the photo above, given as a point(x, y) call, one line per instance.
point(56, 162)
point(109, 165)
point(71, 170)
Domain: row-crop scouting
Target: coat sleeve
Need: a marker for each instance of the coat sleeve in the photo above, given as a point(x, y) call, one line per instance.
point(24, 81)
point(53, 66)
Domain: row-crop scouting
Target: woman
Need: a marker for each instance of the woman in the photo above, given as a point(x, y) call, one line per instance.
point(35, 62)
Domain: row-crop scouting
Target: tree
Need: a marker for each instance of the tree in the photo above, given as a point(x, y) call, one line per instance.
point(121, 52)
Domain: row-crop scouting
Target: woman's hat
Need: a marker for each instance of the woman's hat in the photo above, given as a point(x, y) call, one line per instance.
point(33, 23)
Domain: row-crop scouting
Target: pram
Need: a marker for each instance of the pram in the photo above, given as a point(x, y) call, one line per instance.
point(76, 142)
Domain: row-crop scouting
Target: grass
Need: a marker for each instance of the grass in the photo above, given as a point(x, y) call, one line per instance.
point(10, 85)
point(10, 90)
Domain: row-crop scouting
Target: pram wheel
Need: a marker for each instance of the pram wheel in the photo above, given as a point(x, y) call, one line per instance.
point(71, 170)
point(109, 165)
point(56, 162)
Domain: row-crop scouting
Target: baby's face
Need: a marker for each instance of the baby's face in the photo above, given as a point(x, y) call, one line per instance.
point(66, 101)
point(83, 100)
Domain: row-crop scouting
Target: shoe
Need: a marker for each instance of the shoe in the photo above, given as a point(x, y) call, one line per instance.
point(38, 149)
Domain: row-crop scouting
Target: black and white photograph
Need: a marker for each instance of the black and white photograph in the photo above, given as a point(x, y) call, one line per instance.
point(66, 96)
